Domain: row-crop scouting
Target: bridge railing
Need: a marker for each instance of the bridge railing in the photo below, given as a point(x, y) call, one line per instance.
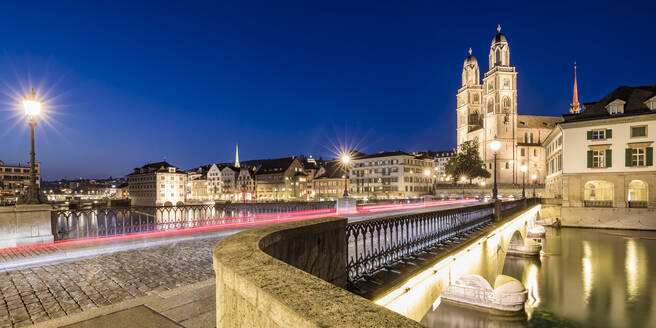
point(379, 243)
point(99, 222)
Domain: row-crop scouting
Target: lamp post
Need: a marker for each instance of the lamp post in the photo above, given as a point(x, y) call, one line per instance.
point(463, 179)
point(32, 108)
point(534, 177)
point(495, 146)
point(427, 173)
point(523, 168)
point(346, 159)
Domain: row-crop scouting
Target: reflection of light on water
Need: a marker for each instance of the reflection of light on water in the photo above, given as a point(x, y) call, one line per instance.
point(635, 270)
point(531, 282)
point(587, 270)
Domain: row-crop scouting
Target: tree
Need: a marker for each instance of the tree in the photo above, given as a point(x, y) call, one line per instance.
point(467, 163)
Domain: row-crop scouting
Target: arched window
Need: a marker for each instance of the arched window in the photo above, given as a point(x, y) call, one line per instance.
point(531, 140)
point(506, 105)
point(498, 59)
point(475, 98)
point(525, 137)
point(490, 106)
point(638, 194)
point(598, 193)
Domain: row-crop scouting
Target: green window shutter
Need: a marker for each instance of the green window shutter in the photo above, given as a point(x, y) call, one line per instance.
point(609, 157)
point(589, 158)
point(589, 135)
point(609, 133)
point(628, 157)
point(650, 156)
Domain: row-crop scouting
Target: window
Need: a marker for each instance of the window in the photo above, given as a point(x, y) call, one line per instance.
point(598, 158)
point(475, 98)
point(506, 105)
point(637, 191)
point(490, 106)
point(506, 84)
point(637, 157)
point(598, 193)
point(523, 152)
point(535, 152)
point(599, 134)
point(638, 131)
point(616, 107)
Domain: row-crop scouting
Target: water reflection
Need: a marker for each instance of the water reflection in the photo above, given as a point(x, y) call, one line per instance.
point(587, 277)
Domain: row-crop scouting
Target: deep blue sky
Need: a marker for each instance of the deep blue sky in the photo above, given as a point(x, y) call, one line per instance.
point(129, 83)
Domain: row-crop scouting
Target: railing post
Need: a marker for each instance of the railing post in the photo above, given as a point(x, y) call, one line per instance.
point(498, 215)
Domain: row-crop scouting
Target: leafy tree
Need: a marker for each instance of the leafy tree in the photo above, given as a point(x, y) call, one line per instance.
point(467, 163)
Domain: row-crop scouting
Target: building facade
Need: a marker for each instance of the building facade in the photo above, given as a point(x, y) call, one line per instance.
point(389, 175)
point(14, 180)
point(157, 184)
point(329, 182)
point(487, 112)
point(245, 187)
point(600, 160)
point(281, 179)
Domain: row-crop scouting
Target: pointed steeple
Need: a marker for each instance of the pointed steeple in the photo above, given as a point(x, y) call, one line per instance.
point(237, 155)
point(575, 107)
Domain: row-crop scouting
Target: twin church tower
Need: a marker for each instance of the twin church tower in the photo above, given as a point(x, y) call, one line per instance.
point(488, 111)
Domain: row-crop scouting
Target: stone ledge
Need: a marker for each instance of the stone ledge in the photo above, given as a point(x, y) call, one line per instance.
point(255, 289)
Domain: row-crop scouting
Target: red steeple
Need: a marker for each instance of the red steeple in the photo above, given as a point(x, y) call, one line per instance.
point(575, 107)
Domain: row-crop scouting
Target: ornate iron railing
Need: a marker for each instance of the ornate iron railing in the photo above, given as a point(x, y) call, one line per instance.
point(377, 244)
point(98, 222)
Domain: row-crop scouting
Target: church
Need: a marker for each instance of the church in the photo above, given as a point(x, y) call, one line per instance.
point(487, 112)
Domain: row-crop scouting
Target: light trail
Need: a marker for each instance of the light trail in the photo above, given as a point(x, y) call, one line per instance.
point(249, 220)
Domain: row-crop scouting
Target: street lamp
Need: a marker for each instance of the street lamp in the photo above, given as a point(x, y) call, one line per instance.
point(463, 179)
point(427, 173)
point(534, 177)
point(495, 146)
point(346, 159)
point(523, 168)
point(32, 108)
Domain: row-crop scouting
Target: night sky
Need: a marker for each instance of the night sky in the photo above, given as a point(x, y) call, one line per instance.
point(130, 83)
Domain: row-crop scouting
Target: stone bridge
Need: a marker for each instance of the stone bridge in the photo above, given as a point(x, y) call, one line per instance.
point(294, 274)
point(484, 256)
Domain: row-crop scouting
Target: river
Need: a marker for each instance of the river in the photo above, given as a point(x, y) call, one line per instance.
point(586, 278)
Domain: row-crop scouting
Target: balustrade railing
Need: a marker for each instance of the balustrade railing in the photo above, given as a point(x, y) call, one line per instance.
point(377, 244)
point(99, 222)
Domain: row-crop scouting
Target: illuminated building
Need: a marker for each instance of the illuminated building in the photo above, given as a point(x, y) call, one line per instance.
point(281, 179)
point(390, 175)
point(488, 111)
point(14, 179)
point(157, 184)
point(328, 184)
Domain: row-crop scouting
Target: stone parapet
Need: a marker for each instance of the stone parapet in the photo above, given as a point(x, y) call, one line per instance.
point(22, 225)
point(279, 276)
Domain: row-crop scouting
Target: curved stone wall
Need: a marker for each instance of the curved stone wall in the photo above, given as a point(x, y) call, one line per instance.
point(280, 276)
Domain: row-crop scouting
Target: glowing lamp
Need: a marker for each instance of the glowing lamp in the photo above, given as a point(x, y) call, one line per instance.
point(523, 168)
point(534, 177)
point(346, 158)
point(495, 145)
point(427, 172)
point(31, 105)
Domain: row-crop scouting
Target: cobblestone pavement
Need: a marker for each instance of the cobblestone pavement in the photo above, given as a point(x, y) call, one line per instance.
point(46, 292)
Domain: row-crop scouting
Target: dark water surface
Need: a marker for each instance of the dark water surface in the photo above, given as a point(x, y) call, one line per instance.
point(586, 278)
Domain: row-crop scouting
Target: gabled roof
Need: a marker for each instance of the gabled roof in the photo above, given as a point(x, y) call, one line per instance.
point(333, 169)
point(155, 167)
point(278, 165)
point(635, 98)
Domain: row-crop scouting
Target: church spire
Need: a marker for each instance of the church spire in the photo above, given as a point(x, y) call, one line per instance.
point(237, 155)
point(575, 107)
